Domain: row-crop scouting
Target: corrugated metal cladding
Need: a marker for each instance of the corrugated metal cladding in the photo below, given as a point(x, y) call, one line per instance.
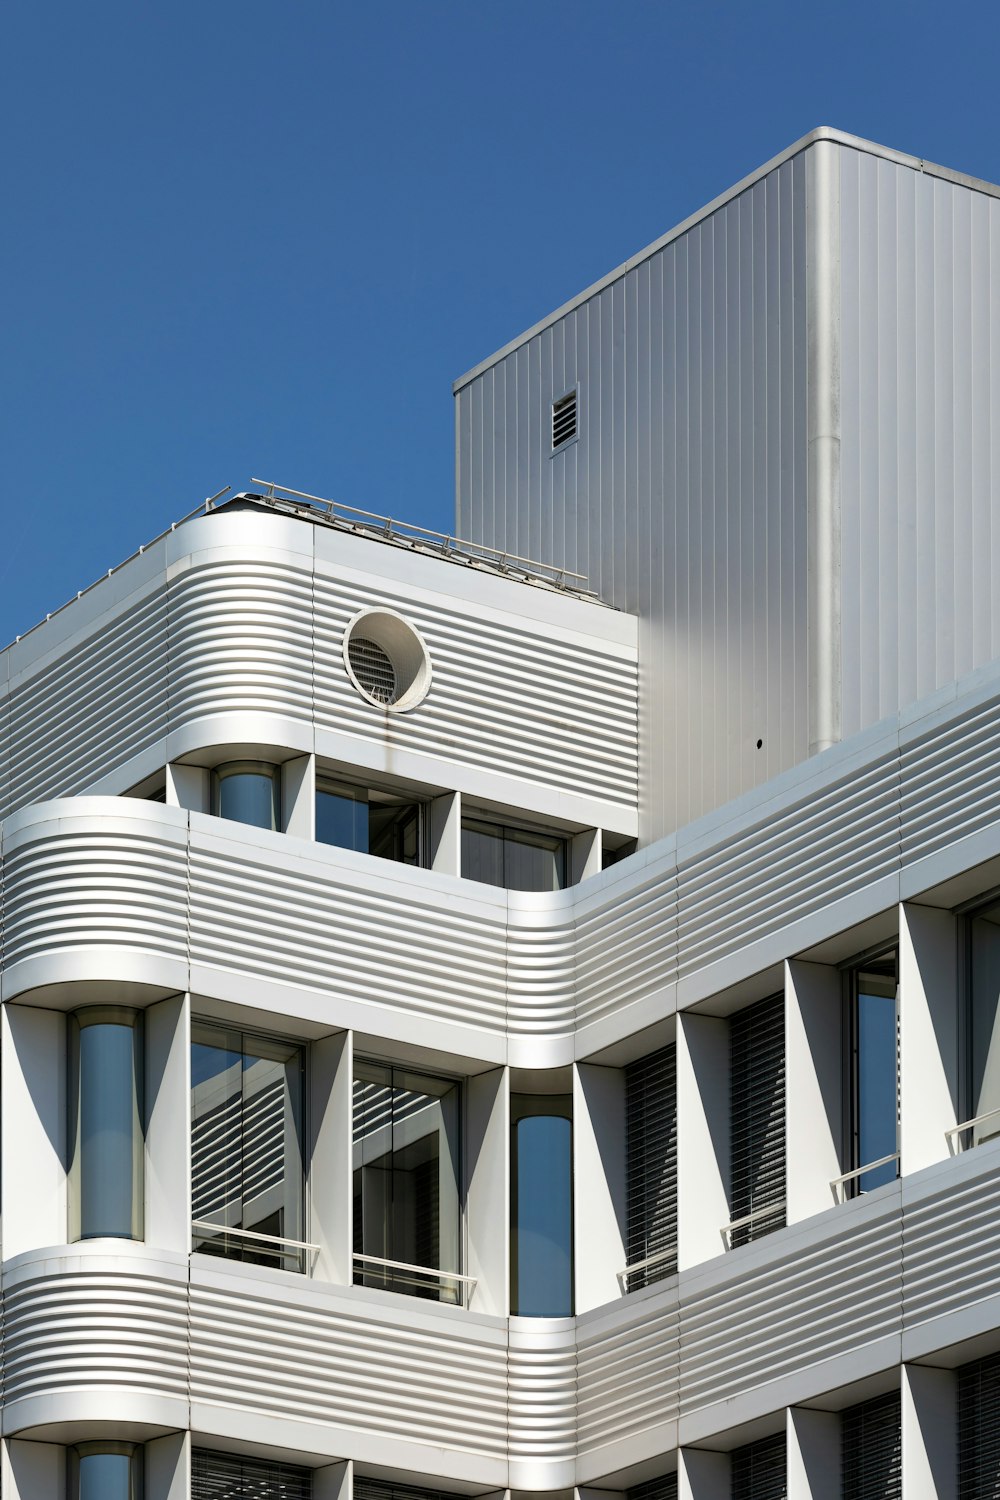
point(979, 1430)
point(872, 1450)
point(684, 496)
point(920, 433)
point(760, 1470)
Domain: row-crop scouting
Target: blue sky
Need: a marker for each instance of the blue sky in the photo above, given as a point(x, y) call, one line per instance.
point(264, 238)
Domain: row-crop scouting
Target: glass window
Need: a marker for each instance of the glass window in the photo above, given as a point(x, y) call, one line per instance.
point(106, 1123)
point(246, 1146)
point(541, 1252)
point(233, 1476)
point(247, 791)
point(874, 1070)
point(106, 1471)
point(519, 859)
point(982, 1049)
point(406, 1181)
point(370, 821)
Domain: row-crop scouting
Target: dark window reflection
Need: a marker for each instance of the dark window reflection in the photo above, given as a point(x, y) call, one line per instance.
point(542, 1206)
point(406, 1180)
point(875, 1070)
point(983, 1025)
point(246, 1145)
point(247, 792)
point(106, 1471)
point(106, 1123)
point(518, 859)
point(369, 821)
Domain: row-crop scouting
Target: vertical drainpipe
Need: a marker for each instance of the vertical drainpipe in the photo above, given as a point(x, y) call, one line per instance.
point(823, 436)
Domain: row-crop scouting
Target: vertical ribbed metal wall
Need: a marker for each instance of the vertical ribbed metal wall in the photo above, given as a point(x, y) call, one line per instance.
point(920, 433)
point(684, 497)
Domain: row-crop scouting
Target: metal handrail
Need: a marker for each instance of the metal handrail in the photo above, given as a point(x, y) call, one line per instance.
point(758, 1213)
point(252, 1234)
point(642, 1265)
point(389, 528)
point(401, 1265)
point(956, 1130)
point(838, 1182)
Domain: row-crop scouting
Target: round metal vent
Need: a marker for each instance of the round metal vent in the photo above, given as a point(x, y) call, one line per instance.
point(386, 660)
point(373, 669)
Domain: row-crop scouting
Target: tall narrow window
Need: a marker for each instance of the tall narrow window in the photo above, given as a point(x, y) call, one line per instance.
point(247, 791)
point(760, 1470)
point(541, 1227)
point(982, 1042)
point(979, 1429)
point(246, 1146)
point(106, 1471)
point(106, 1123)
point(231, 1476)
point(651, 1166)
point(757, 1119)
point(407, 1222)
point(874, 1072)
point(871, 1450)
point(519, 859)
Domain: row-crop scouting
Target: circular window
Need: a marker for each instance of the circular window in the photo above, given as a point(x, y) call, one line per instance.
point(386, 659)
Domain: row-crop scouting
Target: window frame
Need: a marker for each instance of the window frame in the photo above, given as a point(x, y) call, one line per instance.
point(338, 786)
point(473, 816)
point(852, 973)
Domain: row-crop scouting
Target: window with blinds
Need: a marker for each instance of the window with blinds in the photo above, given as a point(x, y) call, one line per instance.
point(663, 1488)
point(760, 1470)
point(757, 1119)
point(228, 1476)
point(380, 1489)
point(871, 1450)
point(651, 1166)
point(979, 1429)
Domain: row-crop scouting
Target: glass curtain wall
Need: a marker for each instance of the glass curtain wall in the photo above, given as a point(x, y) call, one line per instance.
point(106, 1471)
point(247, 1159)
point(541, 1220)
point(372, 822)
point(982, 1016)
point(106, 1124)
point(248, 791)
point(519, 859)
point(874, 1070)
point(407, 1165)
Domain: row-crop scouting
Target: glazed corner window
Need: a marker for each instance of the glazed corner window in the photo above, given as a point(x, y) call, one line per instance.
point(519, 859)
point(874, 1072)
point(982, 1026)
point(541, 1220)
point(370, 821)
point(407, 1223)
point(248, 1180)
point(106, 1123)
point(106, 1471)
point(248, 791)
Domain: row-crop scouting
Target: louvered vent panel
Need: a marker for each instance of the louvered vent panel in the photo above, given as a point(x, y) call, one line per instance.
point(757, 1083)
point(564, 419)
point(760, 1470)
point(663, 1488)
point(227, 1476)
point(377, 1489)
point(979, 1430)
point(871, 1450)
point(651, 1164)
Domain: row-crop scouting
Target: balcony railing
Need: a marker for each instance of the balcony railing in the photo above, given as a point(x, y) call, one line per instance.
point(418, 1277)
point(644, 1265)
point(270, 1244)
point(953, 1135)
point(838, 1184)
point(769, 1212)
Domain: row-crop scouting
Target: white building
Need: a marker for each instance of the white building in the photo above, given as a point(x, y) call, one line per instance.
point(361, 1135)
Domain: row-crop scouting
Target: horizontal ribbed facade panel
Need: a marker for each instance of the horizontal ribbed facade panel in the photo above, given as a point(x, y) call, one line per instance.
point(320, 1360)
point(236, 631)
point(628, 1373)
